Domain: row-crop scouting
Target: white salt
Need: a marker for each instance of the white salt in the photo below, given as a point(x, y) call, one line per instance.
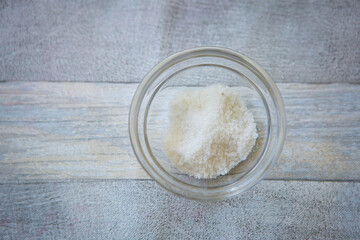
point(210, 131)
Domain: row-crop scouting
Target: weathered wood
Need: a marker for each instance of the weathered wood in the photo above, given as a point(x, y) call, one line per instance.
point(80, 131)
point(119, 41)
point(143, 210)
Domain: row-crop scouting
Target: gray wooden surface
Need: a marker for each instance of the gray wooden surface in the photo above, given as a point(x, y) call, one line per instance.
point(68, 70)
point(80, 130)
point(119, 41)
point(140, 209)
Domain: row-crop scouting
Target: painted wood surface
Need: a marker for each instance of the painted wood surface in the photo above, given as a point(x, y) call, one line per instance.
point(67, 170)
point(120, 41)
point(80, 131)
point(140, 209)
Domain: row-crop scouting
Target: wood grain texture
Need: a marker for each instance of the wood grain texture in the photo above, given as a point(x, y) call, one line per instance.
point(80, 131)
point(143, 210)
point(119, 41)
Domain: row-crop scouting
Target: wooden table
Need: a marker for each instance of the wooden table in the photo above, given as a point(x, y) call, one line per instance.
point(68, 70)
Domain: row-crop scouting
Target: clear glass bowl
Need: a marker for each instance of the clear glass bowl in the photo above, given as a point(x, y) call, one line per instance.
point(198, 67)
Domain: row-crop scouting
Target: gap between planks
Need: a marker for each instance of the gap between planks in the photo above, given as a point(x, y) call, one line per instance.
point(46, 181)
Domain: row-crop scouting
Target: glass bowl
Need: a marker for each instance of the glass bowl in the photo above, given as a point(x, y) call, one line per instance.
point(194, 68)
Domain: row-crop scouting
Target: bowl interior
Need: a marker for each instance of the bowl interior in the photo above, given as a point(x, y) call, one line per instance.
point(195, 73)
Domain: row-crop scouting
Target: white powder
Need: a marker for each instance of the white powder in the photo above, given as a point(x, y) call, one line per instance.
point(210, 131)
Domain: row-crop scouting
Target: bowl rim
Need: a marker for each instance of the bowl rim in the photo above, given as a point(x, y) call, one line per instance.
point(178, 187)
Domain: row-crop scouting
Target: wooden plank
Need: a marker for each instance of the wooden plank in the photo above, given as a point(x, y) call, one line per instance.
point(295, 41)
point(80, 131)
point(141, 209)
